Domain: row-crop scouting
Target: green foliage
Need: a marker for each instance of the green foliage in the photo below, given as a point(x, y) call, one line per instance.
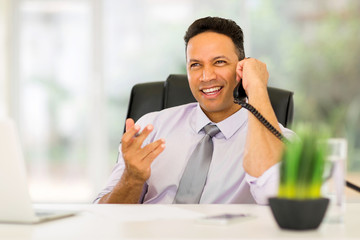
point(314, 52)
point(302, 167)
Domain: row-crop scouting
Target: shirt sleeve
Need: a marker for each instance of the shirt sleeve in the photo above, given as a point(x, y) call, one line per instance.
point(266, 186)
point(119, 167)
point(114, 178)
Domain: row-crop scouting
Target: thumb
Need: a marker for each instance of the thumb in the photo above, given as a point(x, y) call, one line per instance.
point(239, 70)
point(129, 123)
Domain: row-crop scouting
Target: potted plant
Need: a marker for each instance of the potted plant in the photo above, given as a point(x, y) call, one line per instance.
point(299, 204)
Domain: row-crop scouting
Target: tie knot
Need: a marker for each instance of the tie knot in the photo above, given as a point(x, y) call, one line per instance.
point(211, 130)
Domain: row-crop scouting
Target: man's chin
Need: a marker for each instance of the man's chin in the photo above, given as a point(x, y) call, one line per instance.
point(212, 109)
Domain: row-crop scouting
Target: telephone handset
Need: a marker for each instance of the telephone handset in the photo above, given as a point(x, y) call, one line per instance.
point(240, 98)
point(239, 92)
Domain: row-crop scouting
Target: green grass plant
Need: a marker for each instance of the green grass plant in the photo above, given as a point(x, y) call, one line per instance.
point(302, 166)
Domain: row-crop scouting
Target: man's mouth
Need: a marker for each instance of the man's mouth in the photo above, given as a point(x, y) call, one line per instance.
point(211, 91)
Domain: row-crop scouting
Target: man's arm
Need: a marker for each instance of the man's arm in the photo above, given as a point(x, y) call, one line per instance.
point(127, 190)
point(262, 149)
point(138, 161)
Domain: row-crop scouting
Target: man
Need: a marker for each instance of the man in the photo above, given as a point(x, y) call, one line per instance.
point(244, 165)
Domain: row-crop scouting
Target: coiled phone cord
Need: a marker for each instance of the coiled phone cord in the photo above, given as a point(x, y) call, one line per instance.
point(260, 117)
point(278, 134)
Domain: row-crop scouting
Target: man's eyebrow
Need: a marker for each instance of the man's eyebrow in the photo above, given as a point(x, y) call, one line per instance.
point(218, 57)
point(193, 60)
point(213, 59)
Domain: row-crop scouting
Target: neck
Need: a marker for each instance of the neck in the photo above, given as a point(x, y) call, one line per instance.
point(220, 116)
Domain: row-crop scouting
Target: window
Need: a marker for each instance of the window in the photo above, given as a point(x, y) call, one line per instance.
point(69, 66)
point(4, 29)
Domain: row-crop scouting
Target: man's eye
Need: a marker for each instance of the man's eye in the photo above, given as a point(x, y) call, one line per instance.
point(220, 62)
point(194, 65)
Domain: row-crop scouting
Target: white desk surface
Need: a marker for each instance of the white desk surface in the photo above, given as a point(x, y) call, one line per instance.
point(173, 222)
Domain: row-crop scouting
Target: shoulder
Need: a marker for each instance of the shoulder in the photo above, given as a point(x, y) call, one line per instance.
point(288, 133)
point(177, 113)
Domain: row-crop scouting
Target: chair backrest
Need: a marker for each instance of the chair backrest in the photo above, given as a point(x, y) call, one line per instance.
point(155, 96)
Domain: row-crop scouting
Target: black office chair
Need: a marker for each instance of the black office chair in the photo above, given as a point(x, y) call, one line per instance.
point(155, 96)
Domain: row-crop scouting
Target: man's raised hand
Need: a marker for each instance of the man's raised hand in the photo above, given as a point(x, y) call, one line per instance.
point(138, 159)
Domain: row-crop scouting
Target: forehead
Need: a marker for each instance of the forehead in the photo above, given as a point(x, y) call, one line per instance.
point(210, 44)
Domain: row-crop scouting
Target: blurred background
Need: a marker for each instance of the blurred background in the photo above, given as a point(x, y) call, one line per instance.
point(67, 68)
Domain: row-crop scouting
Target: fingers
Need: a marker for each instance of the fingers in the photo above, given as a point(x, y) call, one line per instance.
point(246, 61)
point(140, 138)
point(251, 68)
point(138, 161)
point(153, 154)
point(152, 150)
point(133, 138)
point(131, 131)
point(239, 70)
point(129, 123)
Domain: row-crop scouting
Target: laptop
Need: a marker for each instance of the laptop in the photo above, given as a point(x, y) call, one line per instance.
point(15, 202)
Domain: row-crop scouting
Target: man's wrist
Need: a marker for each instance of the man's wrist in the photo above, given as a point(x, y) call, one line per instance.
point(129, 179)
point(258, 94)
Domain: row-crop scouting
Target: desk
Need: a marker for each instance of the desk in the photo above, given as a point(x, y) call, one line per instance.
point(172, 222)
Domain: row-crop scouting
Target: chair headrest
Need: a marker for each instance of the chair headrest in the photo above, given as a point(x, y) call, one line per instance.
point(177, 91)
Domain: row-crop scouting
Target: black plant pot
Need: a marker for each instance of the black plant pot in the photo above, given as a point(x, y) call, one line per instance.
point(298, 214)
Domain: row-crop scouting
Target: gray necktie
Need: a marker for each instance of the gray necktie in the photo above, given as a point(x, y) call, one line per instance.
point(193, 179)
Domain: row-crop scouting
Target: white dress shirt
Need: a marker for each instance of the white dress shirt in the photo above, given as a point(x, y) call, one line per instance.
point(227, 182)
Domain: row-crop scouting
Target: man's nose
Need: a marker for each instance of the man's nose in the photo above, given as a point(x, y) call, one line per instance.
point(208, 74)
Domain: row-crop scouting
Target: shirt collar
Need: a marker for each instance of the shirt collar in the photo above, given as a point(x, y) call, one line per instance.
point(227, 127)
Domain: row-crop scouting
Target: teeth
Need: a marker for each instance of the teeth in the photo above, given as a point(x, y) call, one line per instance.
point(209, 90)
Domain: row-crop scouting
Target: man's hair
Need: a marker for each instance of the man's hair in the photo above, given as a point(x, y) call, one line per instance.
point(218, 25)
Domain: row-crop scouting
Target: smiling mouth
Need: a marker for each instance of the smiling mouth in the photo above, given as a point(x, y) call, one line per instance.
point(211, 91)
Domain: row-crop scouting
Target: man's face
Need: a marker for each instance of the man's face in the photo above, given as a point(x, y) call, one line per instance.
point(211, 68)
